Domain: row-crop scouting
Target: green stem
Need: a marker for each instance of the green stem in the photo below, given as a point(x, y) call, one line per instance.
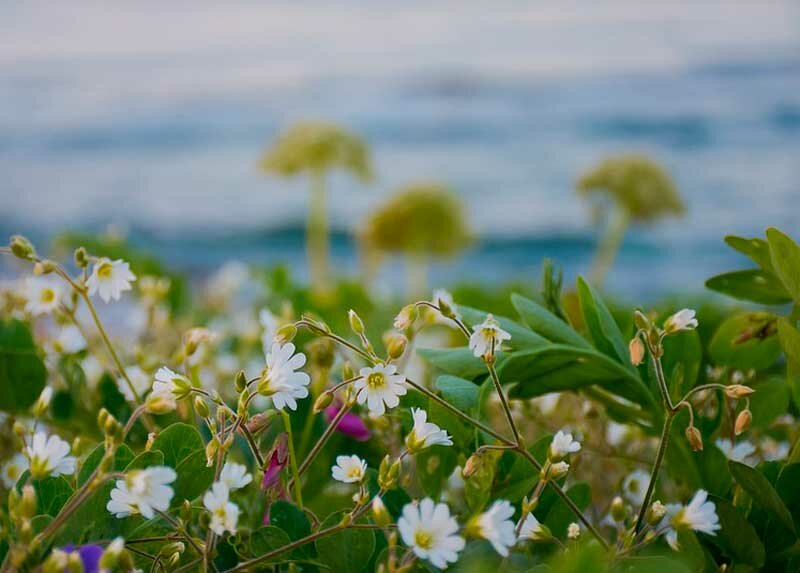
point(317, 233)
point(287, 422)
point(662, 450)
point(609, 246)
point(504, 402)
point(319, 445)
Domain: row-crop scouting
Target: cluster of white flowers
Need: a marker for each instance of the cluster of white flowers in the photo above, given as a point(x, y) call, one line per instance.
point(225, 513)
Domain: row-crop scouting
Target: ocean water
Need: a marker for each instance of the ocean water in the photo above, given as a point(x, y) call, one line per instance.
point(150, 117)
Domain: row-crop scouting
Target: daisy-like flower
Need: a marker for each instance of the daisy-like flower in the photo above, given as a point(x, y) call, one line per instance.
point(69, 340)
point(42, 295)
point(234, 476)
point(12, 469)
point(139, 379)
point(738, 452)
point(563, 445)
point(380, 387)
point(682, 320)
point(279, 380)
point(495, 525)
point(634, 486)
point(430, 532)
point(425, 434)
point(49, 456)
point(143, 491)
point(349, 469)
point(110, 279)
point(224, 513)
point(487, 336)
point(699, 515)
point(532, 529)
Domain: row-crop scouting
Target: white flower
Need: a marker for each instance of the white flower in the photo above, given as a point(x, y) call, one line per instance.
point(487, 336)
point(49, 456)
point(143, 491)
point(69, 340)
point(634, 487)
point(547, 402)
point(573, 531)
point(425, 434)
point(280, 381)
point(430, 532)
point(42, 295)
point(773, 451)
point(681, 320)
point(139, 379)
point(699, 515)
point(349, 469)
point(12, 469)
point(615, 433)
point(532, 529)
point(380, 387)
point(93, 369)
point(496, 527)
point(110, 279)
point(43, 402)
point(563, 445)
point(169, 382)
point(234, 476)
point(269, 326)
point(224, 513)
point(739, 452)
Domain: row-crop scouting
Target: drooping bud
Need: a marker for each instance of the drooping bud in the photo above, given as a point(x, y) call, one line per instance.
point(194, 337)
point(356, 324)
point(641, 321)
point(446, 310)
point(44, 267)
point(379, 513)
point(472, 465)
point(22, 248)
point(43, 402)
point(636, 350)
point(736, 391)
point(259, 422)
point(406, 317)
point(286, 334)
point(694, 438)
point(323, 401)
point(743, 421)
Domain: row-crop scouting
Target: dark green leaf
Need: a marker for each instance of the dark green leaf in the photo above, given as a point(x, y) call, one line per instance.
point(122, 457)
point(713, 467)
point(737, 538)
point(146, 460)
point(347, 551)
point(461, 393)
point(754, 285)
point(760, 489)
point(545, 323)
point(456, 361)
point(51, 494)
point(290, 519)
point(177, 442)
point(738, 343)
point(194, 477)
point(22, 372)
point(266, 539)
point(771, 400)
point(434, 466)
point(560, 515)
point(603, 328)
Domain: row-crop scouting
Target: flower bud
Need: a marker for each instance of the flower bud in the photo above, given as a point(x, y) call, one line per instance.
point(323, 401)
point(194, 337)
point(388, 473)
point(529, 505)
point(655, 513)
point(472, 465)
point(27, 504)
point(446, 310)
point(736, 391)
point(618, 509)
point(151, 437)
point(636, 350)
point(396, 346)
point(211, 451)
point(554, 471)
point(347, 371)
point(22, 248)
point(160, 403)
point(379, 513)
point(743, 421)
point(43, 402)
point(201, 407)
point(286, 333)
point(44, 267)
point(81, 258)
point(694, 438)
point(240, 382)
point(356, 324)
point(641, 321)
point(406, 317)
point(185, 511)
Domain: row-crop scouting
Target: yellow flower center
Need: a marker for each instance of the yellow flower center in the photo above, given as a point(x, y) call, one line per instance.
point(354, 472)
point(48, 295)
point(13, 472)
point(105, 270)
point(376, 380)
point(423, 539)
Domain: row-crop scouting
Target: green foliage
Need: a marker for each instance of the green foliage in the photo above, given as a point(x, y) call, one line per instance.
point(349, 550)
point(22, 372)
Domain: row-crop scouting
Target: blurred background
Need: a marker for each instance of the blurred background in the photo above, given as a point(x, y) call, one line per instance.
point(150, 119)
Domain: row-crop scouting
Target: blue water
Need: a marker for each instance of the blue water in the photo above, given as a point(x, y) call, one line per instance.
point(151, 118)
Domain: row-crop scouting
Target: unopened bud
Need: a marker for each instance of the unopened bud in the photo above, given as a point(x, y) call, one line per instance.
point(43, 402)
point(356, 324)
point(240, 382)
point(406, 317)
point(641, 321)
point(44, 267)
point(446, 310)
point(694, 438)
point(211, 451)
point(81, 258)
point(388, 473)
point(151, 437)
point(160, 403)
point(347, 371)
point(636, 350)
point(743, 421)
point(102, 416)
point(529, 505)
point(737, 391)
point(323, 401)
point(472, 465)
point(259, 422)
point(618, 509)
point(194, 337)
point(379, 513)
point(185, 511)
point(286, 333)
point(27, 504)
point(201, 407)
point(554, 471)
point(655, 513)
point(22, 248)
point(396, 346)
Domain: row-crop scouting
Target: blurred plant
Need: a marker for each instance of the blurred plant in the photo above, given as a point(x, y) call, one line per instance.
point(316, 149)
point(420, 221)
point(639, 190)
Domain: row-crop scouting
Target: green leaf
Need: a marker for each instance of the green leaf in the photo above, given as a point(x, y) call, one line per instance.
point(456, 361)
point(266, 539)
point(753, 285)
point(347, 551)
point(737, 342)
point(755, 248)
point(785, 255)
point(177, 442)
point(521, 337)
point(683, 357)
point(603, 328)
point(290, 519)
point(737, 538)
point(194, 477)
point(461, 393)
point(713, 467)
point(547, 324)
point(770, 400)
point(122, 457)
point(434, 466)
point(789, 338)
point(558, 368)
point(146, 460)
point(760, 489)
point(478, 486)
point(22, 372)
point(51, 494)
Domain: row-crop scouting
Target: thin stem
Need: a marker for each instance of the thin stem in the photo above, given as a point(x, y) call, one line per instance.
point(323, 439)
point(253, 446)
point(701, 388)
point(293, 458)
point(247, 565)
point(504, 401)
point(662, 449)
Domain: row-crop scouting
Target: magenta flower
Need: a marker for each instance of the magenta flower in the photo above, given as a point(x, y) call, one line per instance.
point(351, 425)
point(272, 484)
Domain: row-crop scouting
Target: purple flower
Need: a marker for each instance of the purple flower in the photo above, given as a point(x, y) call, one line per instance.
point(90, 556)
point(351, 425)
point(272, 485)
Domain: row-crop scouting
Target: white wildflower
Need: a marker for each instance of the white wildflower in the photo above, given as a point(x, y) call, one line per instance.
point(532, 529)
point(425, 434)
point(110, 279)
point(49, 456)
point(682, 320)
point(380, 387)
point(495, 525)
point(280, 381)
point(563, 445)
point(349, 469)
point(430, 532)
point(573, 531)
point(487, 336)
point(699, 515)
point(634, 487)
point(142, 491)
point(224, 513)
point(42, 295)
point(12, 469)
point(234, 476)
